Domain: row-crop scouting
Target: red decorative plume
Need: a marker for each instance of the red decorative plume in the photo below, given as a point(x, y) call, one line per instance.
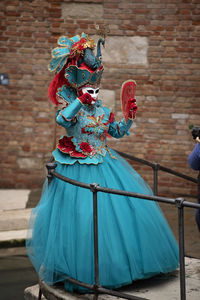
point(56, 83)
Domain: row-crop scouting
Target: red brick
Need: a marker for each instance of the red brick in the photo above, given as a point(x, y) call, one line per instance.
point(12, 13)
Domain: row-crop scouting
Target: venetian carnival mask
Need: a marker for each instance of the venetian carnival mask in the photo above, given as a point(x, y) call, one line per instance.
point(92, 91)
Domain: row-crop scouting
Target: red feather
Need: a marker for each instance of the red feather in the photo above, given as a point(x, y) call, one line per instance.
point(56, 83)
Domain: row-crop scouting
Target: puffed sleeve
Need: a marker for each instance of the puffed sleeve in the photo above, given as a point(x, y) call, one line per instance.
point(66, 116)
point(119, 129)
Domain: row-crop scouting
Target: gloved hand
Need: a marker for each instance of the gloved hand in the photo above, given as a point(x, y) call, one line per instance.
point(132, 107)
point(86, 99)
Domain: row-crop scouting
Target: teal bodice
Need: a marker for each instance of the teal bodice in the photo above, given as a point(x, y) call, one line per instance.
point(87, 128)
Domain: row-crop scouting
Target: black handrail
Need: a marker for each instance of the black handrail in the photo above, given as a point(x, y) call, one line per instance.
point(121, 192)
point(156, 167)
point(160, 167)
point(180, 203)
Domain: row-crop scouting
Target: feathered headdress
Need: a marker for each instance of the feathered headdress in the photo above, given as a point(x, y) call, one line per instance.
point(72, 48)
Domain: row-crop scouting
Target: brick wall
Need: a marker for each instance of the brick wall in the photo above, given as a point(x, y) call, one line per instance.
point(162, 55)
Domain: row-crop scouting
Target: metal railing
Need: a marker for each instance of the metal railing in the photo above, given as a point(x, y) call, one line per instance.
point(156, 167)
point(179, 203)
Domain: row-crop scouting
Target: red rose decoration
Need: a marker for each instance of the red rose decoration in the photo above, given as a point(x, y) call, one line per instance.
point(67, 146)
point(85, 147)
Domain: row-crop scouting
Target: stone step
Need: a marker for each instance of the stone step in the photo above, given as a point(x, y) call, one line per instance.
point(13, 199)
point(13, 225)
point(16, 219)
point(12, 236)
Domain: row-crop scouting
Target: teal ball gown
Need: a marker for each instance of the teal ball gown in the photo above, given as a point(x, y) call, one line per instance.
point(135, 241)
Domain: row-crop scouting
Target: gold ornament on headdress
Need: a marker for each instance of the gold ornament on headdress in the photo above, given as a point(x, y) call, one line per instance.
point(103, 31)
point(90, 43)
point(84, 43)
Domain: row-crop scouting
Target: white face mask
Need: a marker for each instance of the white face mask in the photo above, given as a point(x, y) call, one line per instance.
point(93, 92)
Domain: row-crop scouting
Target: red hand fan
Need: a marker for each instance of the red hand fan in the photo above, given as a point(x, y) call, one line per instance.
point(127, 93)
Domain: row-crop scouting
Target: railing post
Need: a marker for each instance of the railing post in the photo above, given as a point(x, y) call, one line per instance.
point(50, 166)
point(155, 178)
point(93, 188)
point(180, 206)
point(40, 293)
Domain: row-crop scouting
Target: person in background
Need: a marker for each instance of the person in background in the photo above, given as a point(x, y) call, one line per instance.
point(194, 162)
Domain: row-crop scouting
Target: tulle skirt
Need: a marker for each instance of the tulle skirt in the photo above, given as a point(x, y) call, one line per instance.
point(135, 240)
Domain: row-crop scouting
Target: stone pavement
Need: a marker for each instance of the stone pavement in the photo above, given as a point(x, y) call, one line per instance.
point(165, 287)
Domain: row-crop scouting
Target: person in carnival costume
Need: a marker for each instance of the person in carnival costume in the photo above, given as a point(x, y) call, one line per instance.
point(135, 241)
